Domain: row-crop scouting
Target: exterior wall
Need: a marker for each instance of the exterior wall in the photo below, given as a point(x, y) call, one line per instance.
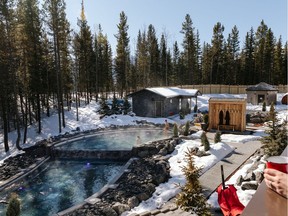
point(269, 97)
point(184, 102)
point(237, 113)
point(144, 104)
point(171, 106)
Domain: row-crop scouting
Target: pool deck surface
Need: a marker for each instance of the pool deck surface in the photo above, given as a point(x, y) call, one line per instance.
point(211, 179)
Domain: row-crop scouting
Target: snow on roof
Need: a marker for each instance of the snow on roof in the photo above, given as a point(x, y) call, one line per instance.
point(170, 92)
point(226, 99)
point(262, 86)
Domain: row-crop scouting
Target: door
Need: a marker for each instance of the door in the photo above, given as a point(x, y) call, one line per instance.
point(158, 108)
point(261, 99)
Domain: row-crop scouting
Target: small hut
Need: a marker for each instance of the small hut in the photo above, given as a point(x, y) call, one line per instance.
point(227, 114)
point(163, 101)
point(261, 93)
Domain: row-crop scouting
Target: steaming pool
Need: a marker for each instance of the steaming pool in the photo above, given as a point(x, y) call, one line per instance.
point(122, 139)
point(60, 184)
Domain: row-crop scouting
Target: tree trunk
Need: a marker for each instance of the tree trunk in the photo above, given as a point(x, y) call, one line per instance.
point(5, 126)
point(39, 113)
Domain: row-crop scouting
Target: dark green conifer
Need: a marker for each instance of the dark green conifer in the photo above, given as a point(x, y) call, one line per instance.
point(191, 198)
point(264, 106)
point(205, 142)
point(187, 126)
point(175, 130)
point(217, 137)
point(13, 208)
point(276, 140)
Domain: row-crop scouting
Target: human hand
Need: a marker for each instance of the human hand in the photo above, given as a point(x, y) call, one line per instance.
point(277, 181)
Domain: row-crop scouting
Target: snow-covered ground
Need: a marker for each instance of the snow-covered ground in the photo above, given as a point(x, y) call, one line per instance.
point(90, 119)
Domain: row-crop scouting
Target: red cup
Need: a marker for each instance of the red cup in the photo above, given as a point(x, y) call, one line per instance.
point(278, 162)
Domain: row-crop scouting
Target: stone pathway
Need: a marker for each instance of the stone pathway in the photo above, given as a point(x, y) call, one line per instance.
point(211, 179)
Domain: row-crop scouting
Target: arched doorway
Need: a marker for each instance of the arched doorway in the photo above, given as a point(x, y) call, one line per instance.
point(221, 117)
point(227, 118)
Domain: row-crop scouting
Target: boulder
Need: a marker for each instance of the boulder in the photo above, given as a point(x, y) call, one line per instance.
point(133, 202)
point(252, 185)
point(120, 208)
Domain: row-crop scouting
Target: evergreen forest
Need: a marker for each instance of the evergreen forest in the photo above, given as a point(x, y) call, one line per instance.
point(45, 64)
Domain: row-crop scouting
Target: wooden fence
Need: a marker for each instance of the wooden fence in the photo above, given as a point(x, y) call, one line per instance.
point(228, 89)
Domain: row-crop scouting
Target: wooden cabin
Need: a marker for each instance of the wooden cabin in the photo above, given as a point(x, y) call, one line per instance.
point(227, 114)
point(163, 101)
point(261, 93)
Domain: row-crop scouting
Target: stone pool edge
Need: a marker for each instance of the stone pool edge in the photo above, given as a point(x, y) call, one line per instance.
point(6, 183)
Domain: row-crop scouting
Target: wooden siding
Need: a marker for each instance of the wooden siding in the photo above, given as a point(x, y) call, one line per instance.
point(237, 114)
point(144, 104)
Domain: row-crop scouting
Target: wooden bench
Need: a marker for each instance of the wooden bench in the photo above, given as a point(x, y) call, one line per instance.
point(226, 127)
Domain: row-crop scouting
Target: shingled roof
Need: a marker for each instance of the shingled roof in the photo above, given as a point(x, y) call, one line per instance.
point(262, 86)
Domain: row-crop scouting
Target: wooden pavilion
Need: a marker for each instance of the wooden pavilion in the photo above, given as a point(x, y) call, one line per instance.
point(227, 114)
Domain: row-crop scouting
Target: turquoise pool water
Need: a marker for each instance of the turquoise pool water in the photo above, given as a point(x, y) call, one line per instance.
point(115, 140)
point(60, 184)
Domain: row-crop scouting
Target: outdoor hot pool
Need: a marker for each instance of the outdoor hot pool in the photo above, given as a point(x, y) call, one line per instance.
point(115, 140)
point(59, 184)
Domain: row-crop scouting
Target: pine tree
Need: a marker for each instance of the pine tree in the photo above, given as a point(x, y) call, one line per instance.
point(191, 198)
point(59, 28)
point(13, 208)
point(153, 60)
point(175, 130)
point(268, 55)
point(9, 67)
point(143, 76)
point(276, 140)
point(217, 137)
point(206, 66)
point(189, 50)
point(205, 141)
point(122, 54)
point(33, 53)
point(115, 107)
point(260, 37)
point(264, 106)
point(217, 54)
point(163, 75)
point(187, 126)
point(175, 76)
point(277, 76)
point(231, 61)
point(86, 57)
point(103, 53)
point(284, 77)
point(126, 106)
point(248, 60)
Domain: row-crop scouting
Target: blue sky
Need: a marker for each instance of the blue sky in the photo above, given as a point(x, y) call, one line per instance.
point(168, 15)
